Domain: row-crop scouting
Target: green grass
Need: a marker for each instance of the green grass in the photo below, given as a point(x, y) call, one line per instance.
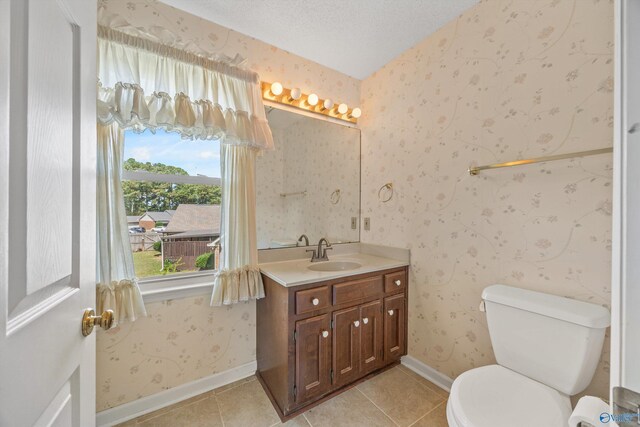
point(149, 263)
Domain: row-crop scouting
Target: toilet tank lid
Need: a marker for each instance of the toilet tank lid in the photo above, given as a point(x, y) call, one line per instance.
point(569, 310)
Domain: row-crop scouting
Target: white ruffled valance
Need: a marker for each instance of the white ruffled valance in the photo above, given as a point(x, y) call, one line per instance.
point(147, 85)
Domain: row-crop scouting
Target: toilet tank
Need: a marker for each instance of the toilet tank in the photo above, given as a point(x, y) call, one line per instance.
point(554, 340)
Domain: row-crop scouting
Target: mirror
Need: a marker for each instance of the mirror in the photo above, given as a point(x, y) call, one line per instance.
point(310, 183)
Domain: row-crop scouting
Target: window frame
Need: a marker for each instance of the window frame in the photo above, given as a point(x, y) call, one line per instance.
point(182, 285)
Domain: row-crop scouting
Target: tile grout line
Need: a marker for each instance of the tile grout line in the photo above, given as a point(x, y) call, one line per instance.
point(432, 410)
point(219, 409)
point(444, 399)
point(304, 415)
point(235, 386)
point(379, 408)
point(421, 383)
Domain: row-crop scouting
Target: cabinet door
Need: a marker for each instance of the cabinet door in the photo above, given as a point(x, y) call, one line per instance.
point(394, 327)
point(371, 340)
point(346, 346)
point(313, 357)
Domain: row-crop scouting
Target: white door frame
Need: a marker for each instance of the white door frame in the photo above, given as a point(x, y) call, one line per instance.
point(625, 268)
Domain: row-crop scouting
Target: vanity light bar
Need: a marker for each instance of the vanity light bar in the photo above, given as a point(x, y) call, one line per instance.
point(275, 92)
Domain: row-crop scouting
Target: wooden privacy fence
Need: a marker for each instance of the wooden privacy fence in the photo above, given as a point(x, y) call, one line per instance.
point(143, 241)
point(188, 250)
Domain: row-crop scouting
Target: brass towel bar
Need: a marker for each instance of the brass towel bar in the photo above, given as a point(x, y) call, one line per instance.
point(474, 170)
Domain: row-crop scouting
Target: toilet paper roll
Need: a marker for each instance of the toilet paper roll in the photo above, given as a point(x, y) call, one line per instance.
point(589, 410)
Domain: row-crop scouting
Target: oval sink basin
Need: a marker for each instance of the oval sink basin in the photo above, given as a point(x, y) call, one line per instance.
point(334, 266)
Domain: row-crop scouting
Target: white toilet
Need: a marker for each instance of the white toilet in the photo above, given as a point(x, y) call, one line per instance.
point(547, 348)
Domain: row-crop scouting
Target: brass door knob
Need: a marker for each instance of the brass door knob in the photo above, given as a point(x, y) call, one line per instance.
point(89, 320)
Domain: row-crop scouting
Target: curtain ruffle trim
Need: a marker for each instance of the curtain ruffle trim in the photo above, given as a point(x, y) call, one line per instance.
point(127, 105)
point(123, 297)
point(241, 284)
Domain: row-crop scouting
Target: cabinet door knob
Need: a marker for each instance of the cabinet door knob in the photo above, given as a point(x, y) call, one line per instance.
point(398, 282)
point(315, 301)
point(325, 334)
point(365, 320)
point(390, 312)
point(356, 323)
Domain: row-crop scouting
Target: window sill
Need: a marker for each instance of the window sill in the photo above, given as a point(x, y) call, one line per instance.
point(174, 287)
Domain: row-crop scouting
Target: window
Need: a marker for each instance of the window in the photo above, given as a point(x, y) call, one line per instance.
point(171, 192)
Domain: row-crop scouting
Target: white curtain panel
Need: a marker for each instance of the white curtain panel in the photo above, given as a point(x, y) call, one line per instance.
point(238, 278)
point(144, 84)
point(117, 286)
point(147, 85)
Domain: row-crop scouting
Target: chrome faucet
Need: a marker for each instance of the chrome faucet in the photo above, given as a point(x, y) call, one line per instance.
point(306, 239)
point(320, 254)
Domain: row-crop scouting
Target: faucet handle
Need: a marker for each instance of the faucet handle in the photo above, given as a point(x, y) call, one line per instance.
point(314, 256)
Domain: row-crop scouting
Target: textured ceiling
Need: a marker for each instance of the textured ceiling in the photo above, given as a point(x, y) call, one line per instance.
point(355, 37)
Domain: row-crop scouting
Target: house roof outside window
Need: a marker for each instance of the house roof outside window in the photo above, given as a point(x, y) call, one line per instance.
point(195, 218)
point(164, 216)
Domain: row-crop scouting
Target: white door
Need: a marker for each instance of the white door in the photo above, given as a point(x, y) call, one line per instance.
point(47, 211)
point(625, 325)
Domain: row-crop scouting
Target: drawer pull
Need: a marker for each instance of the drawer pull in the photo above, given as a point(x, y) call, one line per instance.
point(356, 323)
point(390, 312)
point(315, 301)
point(365, 320)
point(325, 334)
point(398, 282)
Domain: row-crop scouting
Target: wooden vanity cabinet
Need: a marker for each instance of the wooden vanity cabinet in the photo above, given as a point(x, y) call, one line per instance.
point(317, 340)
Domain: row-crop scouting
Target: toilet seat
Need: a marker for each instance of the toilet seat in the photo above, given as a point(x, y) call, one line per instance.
point(494, 396)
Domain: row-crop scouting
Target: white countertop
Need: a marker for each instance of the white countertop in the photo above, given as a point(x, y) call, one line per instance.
point(295, 272)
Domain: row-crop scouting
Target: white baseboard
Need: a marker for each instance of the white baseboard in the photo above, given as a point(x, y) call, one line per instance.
point(147, 404)
point(427, 372)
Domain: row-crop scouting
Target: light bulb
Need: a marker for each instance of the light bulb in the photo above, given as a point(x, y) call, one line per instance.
point(296, 93)
point(327, 104)
point(343, 108)
point(276, 88)
point(312, 99)
point(355, 113)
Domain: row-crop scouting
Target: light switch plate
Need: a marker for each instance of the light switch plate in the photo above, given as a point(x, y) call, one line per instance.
point(367, 224)
point(354, 222)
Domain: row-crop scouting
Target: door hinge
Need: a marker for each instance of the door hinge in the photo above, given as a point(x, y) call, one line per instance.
point(331, 324)
point(332, 375)
point(295, 391)
point(295, 335)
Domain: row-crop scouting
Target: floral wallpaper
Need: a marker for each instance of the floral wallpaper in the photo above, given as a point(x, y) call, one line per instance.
point(506, 80)
point(179, 341)
point(186, 339)
point(315, 156)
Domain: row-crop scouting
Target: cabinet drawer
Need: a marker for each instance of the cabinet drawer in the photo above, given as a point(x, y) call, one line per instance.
point(312, 299)
point(395, 281)
point(356, 290)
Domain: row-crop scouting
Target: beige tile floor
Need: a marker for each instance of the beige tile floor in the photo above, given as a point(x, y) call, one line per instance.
point(397, 397)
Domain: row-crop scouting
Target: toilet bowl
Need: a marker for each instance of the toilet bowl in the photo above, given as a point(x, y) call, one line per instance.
point(496, 396)
point(547, 348)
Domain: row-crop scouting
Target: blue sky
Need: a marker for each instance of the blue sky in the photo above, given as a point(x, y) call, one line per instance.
point(196, 157)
